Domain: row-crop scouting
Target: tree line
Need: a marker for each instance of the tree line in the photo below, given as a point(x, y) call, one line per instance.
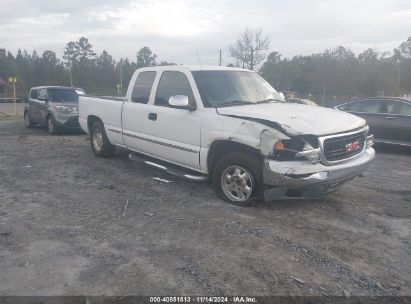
point(333, 75)
point(80, 67)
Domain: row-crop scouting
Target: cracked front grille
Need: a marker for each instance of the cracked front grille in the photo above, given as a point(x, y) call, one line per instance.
point(341, 147)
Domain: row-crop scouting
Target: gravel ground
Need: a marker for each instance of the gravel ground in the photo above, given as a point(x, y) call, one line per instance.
point(7, 109)
point(64, 229)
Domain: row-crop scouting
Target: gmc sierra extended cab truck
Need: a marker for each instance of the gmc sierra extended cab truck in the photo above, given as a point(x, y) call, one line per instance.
point(232, 127)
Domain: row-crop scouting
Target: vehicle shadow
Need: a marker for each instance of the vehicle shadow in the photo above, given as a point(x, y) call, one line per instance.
point(386, 148)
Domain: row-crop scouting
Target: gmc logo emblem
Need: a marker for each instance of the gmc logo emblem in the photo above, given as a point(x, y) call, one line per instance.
point(352, 147)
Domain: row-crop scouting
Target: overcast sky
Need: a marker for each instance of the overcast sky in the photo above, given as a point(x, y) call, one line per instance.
point(176, 29)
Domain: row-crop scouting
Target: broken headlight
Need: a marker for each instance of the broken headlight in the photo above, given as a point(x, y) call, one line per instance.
point(298, 148)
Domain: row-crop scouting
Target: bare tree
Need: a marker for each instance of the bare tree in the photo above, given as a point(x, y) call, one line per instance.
point(250, 48)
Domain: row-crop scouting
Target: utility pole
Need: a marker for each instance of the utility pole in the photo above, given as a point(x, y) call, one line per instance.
point(13, 81)
point(71, 75)
point(398, 80)
point(121, 78)
point(220, 58)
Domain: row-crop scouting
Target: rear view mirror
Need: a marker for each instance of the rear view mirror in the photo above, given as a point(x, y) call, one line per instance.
point(179, 101)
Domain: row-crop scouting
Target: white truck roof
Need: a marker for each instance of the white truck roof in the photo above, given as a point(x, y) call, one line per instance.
point(193, 68)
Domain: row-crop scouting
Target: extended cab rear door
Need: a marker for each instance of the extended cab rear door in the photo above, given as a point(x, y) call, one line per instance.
point(135, 111)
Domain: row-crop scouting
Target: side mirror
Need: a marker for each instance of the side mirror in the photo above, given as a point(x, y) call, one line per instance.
point(46, 101)
point(180, 101)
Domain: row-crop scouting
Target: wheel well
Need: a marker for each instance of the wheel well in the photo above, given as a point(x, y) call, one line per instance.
point(92, 119)
point(222, 147)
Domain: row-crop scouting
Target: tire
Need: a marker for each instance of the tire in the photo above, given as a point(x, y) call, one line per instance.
point(27, 120)
point(244, 187)
point(51, 126)
point(100, 145)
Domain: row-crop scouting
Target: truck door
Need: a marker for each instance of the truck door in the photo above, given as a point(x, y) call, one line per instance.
point(135, 111)
point(174, 133)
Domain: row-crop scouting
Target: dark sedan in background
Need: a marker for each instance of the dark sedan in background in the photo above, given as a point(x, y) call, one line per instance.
point(389, 118)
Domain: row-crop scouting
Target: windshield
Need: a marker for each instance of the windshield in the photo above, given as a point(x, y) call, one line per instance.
point(229, 88)
point(63, 95)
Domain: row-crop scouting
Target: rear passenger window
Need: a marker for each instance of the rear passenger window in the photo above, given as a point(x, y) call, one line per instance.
point(173, 83)
point(364, 106)
point(33, 94)
point(142, 87)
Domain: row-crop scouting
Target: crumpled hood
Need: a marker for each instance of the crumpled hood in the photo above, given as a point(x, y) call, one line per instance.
point(297, 119)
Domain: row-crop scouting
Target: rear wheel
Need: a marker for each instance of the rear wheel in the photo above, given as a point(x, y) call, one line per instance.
point(237, 179)
point(27, 120)
point(100, 145)
point(51, 125)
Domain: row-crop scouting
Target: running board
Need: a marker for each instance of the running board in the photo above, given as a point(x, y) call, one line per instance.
point(172, 171)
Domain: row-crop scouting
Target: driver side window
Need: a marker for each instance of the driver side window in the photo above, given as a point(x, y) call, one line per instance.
point(173, 83)
point(42, 94)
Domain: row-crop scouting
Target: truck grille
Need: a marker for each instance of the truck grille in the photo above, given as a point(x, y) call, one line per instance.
point(341, 147)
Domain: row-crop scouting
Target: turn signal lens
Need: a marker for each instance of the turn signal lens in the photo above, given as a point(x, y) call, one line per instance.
point(279, 146)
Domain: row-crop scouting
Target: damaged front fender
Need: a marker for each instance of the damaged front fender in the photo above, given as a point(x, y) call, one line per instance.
point(258, 136)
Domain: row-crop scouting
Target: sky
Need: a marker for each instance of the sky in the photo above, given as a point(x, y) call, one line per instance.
point(178, 30)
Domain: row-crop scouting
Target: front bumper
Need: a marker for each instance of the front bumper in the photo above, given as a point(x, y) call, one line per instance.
point(67, 121)
point(301, 179)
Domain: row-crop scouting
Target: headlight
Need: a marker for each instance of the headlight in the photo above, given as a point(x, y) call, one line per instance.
point(66, 110)
point(297, 148)
point(310, 153)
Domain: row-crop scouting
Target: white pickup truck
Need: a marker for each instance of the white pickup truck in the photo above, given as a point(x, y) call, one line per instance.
point(229, 126)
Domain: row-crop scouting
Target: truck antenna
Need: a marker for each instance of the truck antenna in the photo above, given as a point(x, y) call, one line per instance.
point(199, 61)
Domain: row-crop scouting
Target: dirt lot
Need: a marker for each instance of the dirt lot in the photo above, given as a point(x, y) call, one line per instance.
point(7, 109)
point(62, 229)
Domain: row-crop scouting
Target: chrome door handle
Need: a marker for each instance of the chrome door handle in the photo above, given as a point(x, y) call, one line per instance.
point(389, 117)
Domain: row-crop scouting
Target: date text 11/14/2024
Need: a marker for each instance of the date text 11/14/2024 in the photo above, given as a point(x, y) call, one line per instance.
point(203, 299)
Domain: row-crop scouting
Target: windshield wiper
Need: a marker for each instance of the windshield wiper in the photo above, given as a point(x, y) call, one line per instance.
point(234, 103)
point(268, 100)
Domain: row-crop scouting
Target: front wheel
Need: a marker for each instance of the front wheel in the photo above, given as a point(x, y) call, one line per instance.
point(100, 145)
point(237, 178)
point(51, 126)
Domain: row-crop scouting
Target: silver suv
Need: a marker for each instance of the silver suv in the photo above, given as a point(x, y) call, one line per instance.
point(53, 107)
